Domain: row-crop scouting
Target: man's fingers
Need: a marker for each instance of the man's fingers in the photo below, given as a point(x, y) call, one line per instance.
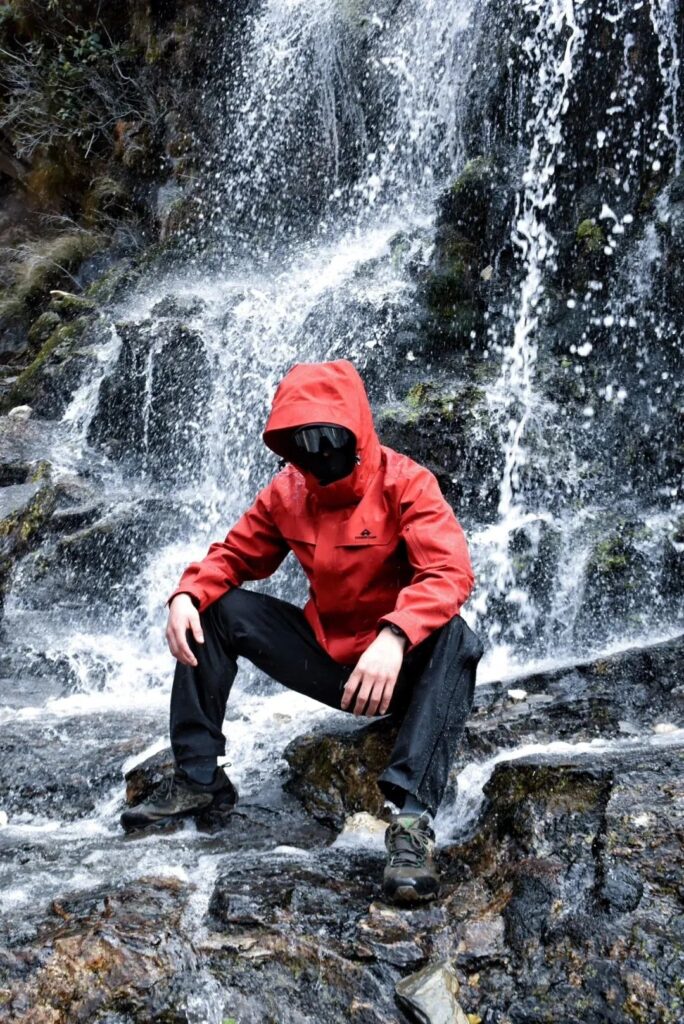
point(375, 698)
point(196, 627)
point(182, 651)
point(387, 696)
point(363, 695)
point(350, 688)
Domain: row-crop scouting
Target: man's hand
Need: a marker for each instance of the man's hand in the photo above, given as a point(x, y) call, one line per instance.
point(183, 616)
point(374, 678)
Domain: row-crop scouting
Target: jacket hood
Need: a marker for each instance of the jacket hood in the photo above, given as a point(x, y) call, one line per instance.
point(326, 393)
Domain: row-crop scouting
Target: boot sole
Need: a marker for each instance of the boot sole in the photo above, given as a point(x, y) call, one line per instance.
point(407, 894)
point(159, 825)
point(165, 824)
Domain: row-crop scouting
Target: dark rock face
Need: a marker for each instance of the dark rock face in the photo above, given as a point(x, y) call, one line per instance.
point(587, 901)
point(152, 408)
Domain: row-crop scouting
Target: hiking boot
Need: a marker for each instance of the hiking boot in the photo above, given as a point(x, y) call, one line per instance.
point(179, 797)
point(411, 873)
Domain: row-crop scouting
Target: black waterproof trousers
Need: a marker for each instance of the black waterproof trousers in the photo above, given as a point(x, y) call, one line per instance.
point(431, 701)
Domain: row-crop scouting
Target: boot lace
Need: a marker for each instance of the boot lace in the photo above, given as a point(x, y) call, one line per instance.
point(408, 844)
point(166, 788)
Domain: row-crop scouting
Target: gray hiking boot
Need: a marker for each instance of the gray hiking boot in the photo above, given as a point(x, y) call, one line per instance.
point(179, 797)
point(411, 873)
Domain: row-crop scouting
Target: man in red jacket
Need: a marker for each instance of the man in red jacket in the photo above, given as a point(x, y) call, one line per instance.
point(388, 569)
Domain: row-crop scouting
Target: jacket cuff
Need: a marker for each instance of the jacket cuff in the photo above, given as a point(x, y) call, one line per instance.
point(195, 598)
point(407, 623)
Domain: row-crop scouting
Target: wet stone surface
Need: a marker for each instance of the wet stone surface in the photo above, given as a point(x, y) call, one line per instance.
point(563, 902)
point(625, 694)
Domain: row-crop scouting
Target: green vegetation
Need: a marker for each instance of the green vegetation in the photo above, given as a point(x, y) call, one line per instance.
point(22, 390)
point(42, 264)
point(590, 235)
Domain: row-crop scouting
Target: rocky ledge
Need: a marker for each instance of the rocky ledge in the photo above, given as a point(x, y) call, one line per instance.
point(561, 901)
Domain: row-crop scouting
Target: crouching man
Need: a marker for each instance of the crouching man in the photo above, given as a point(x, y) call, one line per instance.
point(389, 570)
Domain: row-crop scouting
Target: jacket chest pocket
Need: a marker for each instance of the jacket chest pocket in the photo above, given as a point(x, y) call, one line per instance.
point(361, 554)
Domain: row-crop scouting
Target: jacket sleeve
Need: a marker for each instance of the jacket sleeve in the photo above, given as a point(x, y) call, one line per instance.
point(437, 550)
point(252, 550)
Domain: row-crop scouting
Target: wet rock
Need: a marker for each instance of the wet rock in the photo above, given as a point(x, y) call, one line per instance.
point(151, 407)
point(449, 429)
point(25, 510)
point(429, 996)
point(116, 949)
point(616, 580)
point(580, 857)
point(50, 379)
point(287, 940)
point(90, 566)
point(334, 774)
point(71, 768)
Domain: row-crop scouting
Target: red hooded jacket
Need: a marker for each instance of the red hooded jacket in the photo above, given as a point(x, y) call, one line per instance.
point(381, 545)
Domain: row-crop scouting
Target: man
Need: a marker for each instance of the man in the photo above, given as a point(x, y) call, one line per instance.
point(389, 570)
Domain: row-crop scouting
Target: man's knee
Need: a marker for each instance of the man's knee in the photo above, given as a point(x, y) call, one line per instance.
point(460, 632)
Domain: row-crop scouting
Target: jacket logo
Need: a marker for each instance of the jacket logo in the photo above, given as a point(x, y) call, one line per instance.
point(364, 534)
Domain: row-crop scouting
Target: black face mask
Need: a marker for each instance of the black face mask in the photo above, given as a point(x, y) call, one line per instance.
point(325, 450)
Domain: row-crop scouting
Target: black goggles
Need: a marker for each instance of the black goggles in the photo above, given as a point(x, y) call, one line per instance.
point(312, 439)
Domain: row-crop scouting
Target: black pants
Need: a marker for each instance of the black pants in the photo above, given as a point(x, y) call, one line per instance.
point(431, 701)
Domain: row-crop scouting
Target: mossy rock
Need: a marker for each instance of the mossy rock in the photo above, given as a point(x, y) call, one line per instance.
point(60, 341)
point(616, 580)
point(123, 274)
point(45, 325)
point(70, 306)
point(25, 511)
point(591, 236)
point(335, 775)
point(465, 205)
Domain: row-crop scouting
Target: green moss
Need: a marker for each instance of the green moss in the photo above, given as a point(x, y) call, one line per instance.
point(556, 785)
point(22, 391)
point(420, 394)
point(591, 235)
point(477, 170)
point(106, 286)
point(43, 327)
point(611, 556)
point(39, 472)
point(70, 306)
point(24, 524)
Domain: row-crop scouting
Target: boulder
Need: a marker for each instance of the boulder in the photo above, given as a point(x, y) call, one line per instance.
point(92, 548)
point(151, 406)
point(25, 510)
point(334, 773)
point(119, 946)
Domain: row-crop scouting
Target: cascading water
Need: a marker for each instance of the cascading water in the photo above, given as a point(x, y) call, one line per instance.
point(338, 126)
